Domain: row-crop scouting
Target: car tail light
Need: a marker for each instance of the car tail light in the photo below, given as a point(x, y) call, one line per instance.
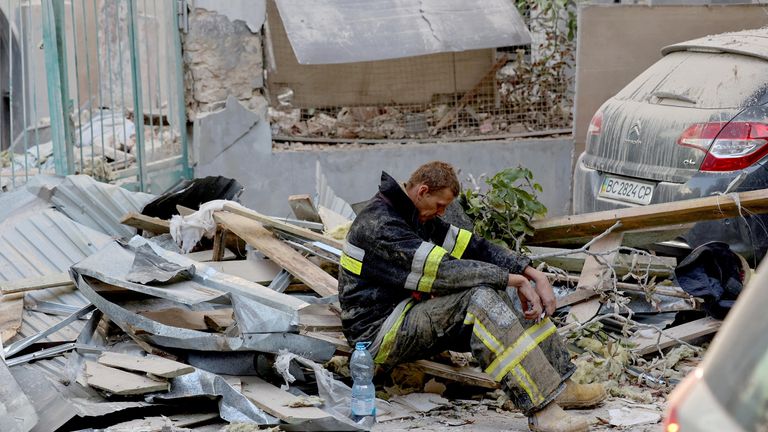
point(728, 146)
point(596, 125)
point(678, 396)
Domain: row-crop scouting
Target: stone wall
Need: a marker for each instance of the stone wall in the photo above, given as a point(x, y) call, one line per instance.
point(222, 57)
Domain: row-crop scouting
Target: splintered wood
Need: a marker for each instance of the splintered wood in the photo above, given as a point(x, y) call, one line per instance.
point(154, 365)
point(264, 241)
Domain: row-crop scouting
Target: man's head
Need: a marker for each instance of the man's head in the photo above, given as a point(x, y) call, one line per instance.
point(432, 187)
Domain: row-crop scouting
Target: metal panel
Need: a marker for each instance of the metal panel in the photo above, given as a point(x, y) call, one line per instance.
point(98, 205)
point(346, 31)
point(45, 243)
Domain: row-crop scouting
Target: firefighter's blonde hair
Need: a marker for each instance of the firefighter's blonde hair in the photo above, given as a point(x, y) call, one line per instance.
point(436, 175)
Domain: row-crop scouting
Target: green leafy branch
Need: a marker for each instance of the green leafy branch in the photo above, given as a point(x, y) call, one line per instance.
point(503, 213)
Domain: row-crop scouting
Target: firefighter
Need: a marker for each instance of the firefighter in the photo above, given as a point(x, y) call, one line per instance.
point(416, 286)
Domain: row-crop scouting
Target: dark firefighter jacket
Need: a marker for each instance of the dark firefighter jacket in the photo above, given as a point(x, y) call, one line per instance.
point(389, 255)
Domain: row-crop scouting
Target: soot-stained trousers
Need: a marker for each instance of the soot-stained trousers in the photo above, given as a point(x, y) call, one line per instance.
point(416, 289)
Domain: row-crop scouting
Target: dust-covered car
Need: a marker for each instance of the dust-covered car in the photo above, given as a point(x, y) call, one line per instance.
point(694, 124)
point(729, 389)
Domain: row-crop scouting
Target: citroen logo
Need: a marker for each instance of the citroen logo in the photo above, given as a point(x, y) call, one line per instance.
point(633, 136)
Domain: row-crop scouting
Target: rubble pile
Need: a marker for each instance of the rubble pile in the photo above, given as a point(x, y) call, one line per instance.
point(104, 316)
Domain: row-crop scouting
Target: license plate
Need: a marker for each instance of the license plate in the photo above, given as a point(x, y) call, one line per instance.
point(622, 189)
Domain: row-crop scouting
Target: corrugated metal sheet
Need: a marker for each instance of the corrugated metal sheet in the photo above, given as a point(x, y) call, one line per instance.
point(47, 242)
point(98, 205)
point(347, 31)
point(327, 198)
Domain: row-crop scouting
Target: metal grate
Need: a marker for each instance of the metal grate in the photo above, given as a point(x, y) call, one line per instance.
point(524, 90)
point(94, 87)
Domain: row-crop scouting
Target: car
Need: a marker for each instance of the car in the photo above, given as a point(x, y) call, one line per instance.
point(694, 124)
point(728, 391)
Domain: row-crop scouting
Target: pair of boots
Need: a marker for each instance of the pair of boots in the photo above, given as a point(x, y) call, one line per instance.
point(554, 419)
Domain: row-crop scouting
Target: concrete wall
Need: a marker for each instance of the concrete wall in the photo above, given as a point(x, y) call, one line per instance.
point(617, 42)
point(235, 142)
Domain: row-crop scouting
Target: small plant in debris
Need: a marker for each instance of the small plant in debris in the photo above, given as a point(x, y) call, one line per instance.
point(503, 212)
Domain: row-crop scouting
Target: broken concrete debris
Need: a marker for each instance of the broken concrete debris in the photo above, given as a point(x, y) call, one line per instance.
point(103, 325)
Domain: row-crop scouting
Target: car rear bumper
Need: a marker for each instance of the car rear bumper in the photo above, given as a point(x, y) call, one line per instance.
point(747, 236)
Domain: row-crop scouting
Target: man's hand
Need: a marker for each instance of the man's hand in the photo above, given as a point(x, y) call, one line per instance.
point(543, 288)
point(529, 298)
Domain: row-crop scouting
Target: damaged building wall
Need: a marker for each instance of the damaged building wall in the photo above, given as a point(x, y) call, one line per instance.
point(236, 142)
point(224, 65)
point(223, 56)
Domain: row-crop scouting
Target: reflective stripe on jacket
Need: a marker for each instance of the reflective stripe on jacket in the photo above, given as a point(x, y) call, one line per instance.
point(390, 255)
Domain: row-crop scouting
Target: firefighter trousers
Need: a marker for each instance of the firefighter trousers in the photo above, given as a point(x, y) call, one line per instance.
point(527, 358)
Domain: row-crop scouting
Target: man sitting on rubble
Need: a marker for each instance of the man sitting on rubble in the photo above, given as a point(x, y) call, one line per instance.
point(416, 286)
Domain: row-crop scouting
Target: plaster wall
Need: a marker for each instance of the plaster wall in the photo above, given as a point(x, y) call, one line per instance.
point(236, 142)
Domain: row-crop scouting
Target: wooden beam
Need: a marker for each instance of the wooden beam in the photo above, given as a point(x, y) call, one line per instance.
point(11, 312)
point(303, 208)
point(292, 229)
point(574, 262)
point(54, 280)
point(685, 332)
point(276, 402)
point(121, 383)
point(157, 366)
point(665, 290)
point(219, 241)
point(655, 215)
point(146, 223)
point(286, 257)
point(189, 319)
point(591, 276)
point(465, 375)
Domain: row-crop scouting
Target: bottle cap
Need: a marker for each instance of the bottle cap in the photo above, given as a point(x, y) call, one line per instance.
point(362, 345)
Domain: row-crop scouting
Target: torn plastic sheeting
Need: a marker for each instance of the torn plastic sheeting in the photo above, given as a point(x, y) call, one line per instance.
point(233, 406)
point(336, 394)
point(344, 31)
point(188, 230)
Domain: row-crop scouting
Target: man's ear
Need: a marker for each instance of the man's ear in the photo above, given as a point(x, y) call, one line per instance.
point(422, 191)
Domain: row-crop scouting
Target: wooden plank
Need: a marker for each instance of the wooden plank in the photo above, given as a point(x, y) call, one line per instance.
point(157, 366)
point(590, 276)
point(336, 338)
point(53, 280)
point(314, 322)
point(146, 223)
point(219, 240)
point(303, 208)
point(574, 262)
point(275, 401)
point(655, 215)
point(121, 383)
point(11, 312)
point(257, 236)
point(188, 319)
point(665, 290)
point(685, 332)
point(465, 375)
point(293, 229)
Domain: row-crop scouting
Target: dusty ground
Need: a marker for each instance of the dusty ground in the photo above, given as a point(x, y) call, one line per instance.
point(482, 418)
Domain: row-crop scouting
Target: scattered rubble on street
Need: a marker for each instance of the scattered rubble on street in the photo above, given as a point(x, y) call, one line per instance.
point(104, 328)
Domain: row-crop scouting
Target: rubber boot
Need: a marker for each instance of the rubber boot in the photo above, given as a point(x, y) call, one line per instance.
point(580, 395)
point(553, 419)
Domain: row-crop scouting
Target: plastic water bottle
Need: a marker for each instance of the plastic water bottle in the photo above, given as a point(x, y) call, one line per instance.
point(363, 390)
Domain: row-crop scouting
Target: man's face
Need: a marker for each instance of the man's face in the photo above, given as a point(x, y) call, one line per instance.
point(432, 204)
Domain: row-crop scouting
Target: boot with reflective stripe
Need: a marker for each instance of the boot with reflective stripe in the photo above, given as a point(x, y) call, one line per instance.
point(553, 419)
point(580, 395)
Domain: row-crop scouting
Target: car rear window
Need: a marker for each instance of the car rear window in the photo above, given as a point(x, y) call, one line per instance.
point(700, 80)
